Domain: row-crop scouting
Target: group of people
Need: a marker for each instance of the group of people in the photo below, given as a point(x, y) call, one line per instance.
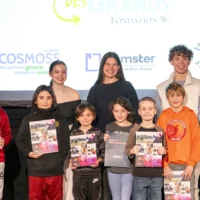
point(112, 105)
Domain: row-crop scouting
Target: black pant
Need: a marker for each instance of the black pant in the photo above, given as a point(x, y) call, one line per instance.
point(87, 186)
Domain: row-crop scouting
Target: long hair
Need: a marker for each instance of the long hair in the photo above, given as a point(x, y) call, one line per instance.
point(126, 104)
point(42, 88)
point(120, 74)
point(53, 64)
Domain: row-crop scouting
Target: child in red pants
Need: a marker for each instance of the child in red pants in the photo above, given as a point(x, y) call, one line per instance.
point(45, 170)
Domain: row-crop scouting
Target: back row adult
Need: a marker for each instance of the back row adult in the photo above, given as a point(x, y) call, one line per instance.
point(109, 85)
point(180, 58)
point(67, 100)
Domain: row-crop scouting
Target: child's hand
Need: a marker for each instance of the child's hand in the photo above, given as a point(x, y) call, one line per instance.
point(187, 174)
point(106, 136)
point(168, 173)
point(70, 165)
point(34, 155)
point(161, 150)
point(1, 142)
point(97, 163)
point(134, 150)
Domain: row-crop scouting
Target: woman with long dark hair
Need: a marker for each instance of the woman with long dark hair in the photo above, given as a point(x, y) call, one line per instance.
point(67, 100)
point(109, 85)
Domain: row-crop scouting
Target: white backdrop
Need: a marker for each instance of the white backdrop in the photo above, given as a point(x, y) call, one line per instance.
point(36, 32)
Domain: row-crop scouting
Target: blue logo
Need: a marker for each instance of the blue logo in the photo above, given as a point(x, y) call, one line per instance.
point(28, 58)
point(28, 63)
point(140, 60)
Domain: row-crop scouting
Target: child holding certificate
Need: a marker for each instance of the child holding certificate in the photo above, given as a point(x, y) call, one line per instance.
point(120, 178)
point(147, 179)
point(45, 170)
point(87, 177)
point(182, 135)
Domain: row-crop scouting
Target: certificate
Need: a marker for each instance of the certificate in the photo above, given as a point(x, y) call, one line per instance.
point(115, 154)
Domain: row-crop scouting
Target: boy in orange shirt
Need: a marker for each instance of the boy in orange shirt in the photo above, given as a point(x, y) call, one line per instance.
point(182, 134)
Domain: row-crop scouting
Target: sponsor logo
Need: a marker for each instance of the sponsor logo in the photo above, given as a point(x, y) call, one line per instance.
point(129, 63)
point(70, 11)
point(128, 6)
point(28, 63)
point(27, 58)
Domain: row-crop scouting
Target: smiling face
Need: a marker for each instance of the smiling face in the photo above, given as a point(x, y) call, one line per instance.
point(86, 118)
point(44, 100)
point(175, 100)
point(120, 113)
point(147, 110)
point(180, 63)
point(175, 94)
point(110, 69)
point(59, 74)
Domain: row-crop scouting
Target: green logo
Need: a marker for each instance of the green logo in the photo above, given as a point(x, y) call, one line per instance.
point(69, 4)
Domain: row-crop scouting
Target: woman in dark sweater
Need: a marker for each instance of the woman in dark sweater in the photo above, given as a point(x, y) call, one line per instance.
point(44, 160)
point(110, 84)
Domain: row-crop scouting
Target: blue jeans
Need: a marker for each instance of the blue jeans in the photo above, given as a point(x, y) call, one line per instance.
point(147, 188)
point(120, 185)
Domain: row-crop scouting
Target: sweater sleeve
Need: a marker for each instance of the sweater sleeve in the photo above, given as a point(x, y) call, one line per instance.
point(130, 141)
point(5, 128)
point(101, 146)
point(133, 98)
point(91, 96)
point(158, 103)
point(64, 141)
point(159, 123)
point(23, 138)
point(195, 141)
